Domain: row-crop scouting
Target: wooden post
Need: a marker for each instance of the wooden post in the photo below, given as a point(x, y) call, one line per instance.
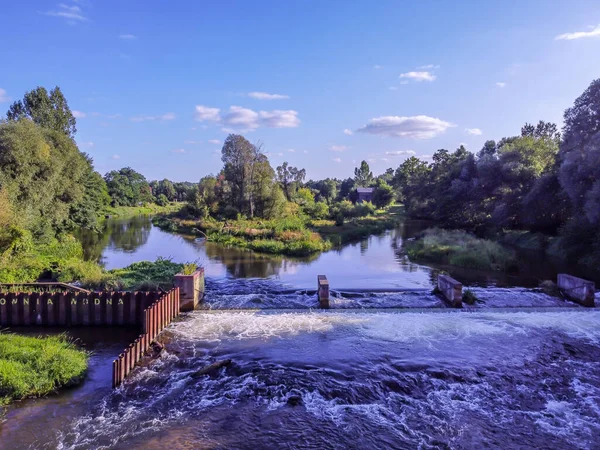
point(323, 291)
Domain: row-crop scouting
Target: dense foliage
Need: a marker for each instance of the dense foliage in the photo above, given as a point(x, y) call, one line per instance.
point(539, 181)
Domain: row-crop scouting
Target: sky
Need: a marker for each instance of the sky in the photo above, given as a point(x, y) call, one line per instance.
point(159, 85)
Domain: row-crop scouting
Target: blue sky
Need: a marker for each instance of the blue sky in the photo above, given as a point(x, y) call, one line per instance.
point(322, 84)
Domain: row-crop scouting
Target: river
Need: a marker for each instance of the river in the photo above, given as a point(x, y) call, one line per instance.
point(387, 367)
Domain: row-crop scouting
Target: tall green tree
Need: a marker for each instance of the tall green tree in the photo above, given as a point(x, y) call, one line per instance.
point(290, 178)
point(43, 174)
point(48, 110)
point(363, 175)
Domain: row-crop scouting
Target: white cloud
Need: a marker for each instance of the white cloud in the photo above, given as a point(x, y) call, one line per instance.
point(291, 150)
point(416, 127)
point(593, 32)
point(164, 117)
point(178, 150)
point(214, 141)
point(3, 96)
point(348, 132)
point(192, 142)
point(305, 152)
point(88, 144)
point(245, 119)
point(337, 160)
point(338, 148)
point(401, 153)
point(116, 157)
point(384, 159)
point(71, 13)
point(419, 76)
point(429, 67)
point(78, 114)
point(114, 116)
point(393, 88)
point(267, 96)
point(500, 84)
point(377, 67)
point(404, 82)
point(279, 119)
point(474, 131)
point(127, 37)
point(205, 113)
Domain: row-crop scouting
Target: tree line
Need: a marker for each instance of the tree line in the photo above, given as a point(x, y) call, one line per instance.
point(541, 180)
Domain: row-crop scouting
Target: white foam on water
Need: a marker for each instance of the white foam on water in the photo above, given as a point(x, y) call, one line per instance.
point(252, 325)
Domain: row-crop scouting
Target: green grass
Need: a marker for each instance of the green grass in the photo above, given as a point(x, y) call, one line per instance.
point(147, 209)
point(143, 276)
point(35, 367)
point(461, 249)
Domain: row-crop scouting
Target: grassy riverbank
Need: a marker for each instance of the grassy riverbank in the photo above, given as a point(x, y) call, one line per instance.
point(292, 236)
point(288, 236)
point(146, 209)
point(35, 367)
point(461, 249)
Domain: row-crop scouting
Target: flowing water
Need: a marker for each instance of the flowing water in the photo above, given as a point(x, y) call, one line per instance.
point(387, 367)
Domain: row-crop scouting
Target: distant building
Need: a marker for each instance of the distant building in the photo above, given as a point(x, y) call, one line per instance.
point(364, 194)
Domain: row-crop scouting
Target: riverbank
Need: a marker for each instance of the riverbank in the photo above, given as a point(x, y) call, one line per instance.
point(124, 212)
point(293, 236)
point(36, 367)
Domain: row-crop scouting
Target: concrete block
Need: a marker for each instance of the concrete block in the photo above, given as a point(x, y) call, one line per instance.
point(323, 291)
point(577, 289)
point(451, 290)
point(191, 289)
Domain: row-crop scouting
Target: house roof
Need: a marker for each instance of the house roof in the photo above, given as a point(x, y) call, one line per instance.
point(364, 190)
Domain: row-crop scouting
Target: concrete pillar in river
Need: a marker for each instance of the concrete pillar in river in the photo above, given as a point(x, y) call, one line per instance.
point(451, 290)
point(191, 289)
point(323, 291)
point(577, 289)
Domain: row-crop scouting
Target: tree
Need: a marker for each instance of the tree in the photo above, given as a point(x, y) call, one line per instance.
point(363, 175)
point(289, 179)
point(547, 130)
point(43, 174)
point(346, 187)
point(95, 200)
point(46, 110)
point(580, 152)
point(248, 175)
point(383, 194)
point(127, 187)
point(164, 187)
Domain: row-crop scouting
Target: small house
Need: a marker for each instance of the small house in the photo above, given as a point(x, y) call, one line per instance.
point(364, 194)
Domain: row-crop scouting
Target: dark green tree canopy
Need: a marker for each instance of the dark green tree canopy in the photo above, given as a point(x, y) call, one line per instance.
point(48, 110)
point(127, 187)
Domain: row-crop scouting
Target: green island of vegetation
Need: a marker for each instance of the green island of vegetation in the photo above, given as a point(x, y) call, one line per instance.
point(36, 366)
